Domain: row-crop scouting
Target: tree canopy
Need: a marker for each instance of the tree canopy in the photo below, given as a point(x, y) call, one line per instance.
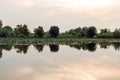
point(21, 31)
point(92, 31)
point(54, 31)
point(1, 24)
point(39, 32)
point(116, 33)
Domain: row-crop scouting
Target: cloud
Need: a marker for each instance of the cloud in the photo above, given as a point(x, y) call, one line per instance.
point(64, 13)
point(88, 69)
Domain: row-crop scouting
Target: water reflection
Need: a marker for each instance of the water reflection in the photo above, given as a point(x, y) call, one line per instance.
point(91, 47)
point(65, 65)
point(39, 47)
point(1, 54)
point(105, 45)
point(4, 47)
point(85, 46)
point(54, 47)
point(116, 46)
point(21, 48)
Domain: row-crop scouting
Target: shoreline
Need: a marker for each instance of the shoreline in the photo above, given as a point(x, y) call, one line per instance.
point(40, 41)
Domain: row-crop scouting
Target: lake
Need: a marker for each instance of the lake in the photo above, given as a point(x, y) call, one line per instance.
point(91, 61)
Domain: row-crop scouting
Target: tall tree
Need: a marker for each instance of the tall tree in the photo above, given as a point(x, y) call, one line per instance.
point(92, 31)
point(77, 32)
point(1, 24)
point(84, 32)
point(39, 32)
point(54, 31)
point(105, 33)
point(21, 31)
point(116, 33)
point(7, 31)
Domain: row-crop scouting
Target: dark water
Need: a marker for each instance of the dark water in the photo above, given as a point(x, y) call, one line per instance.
point(89, 61)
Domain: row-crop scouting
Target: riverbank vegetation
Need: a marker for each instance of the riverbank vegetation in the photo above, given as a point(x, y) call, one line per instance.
point(47, 41)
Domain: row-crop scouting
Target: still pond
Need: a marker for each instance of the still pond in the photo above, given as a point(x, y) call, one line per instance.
point(91, 61)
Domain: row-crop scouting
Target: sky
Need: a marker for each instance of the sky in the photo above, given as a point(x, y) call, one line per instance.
point(66, 14)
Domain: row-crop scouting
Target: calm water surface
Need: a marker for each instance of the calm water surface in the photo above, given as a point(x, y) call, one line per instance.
point(60, 62)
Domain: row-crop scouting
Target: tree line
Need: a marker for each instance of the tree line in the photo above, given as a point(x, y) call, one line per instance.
point(54, 32)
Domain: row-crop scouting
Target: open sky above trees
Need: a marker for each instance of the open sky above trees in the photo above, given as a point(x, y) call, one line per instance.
point(66, 14)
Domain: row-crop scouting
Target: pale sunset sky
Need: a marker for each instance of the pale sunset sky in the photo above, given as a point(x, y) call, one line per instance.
point(66, 14)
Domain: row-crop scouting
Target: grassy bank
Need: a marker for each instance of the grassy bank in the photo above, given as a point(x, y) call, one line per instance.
point(37, 41)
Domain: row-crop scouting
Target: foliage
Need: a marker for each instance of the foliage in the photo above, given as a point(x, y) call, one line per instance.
point(104, 30)
point(85, 32)
point(75, 32)
point(116, 33)
point(105, 33)
point(39, 32)
point(92, 32)
point(82, 32)
point(1, 24)
point(6, 31)
point(54, 31)
point(21, 31)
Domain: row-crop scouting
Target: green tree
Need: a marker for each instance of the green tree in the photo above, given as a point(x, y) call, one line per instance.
point(6, 31)
point(116, 33)
point(1, 24)
point(54, 31)
point(105, 33)
point(84, 32)
point(73, 32)
point(104, 30)
point(21, 31)
point(39, 32)
point(92, 31)
point(78, 32)
point(2, 33)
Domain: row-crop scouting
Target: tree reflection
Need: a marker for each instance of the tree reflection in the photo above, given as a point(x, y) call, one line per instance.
point(77, 46)
point(54, 48)
point(39, 47)
point(116, 45)
point(21, 48)
point(1, 53)
point(91, 47)
point(104, 45)
point(85, 46)
point(4, 47)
